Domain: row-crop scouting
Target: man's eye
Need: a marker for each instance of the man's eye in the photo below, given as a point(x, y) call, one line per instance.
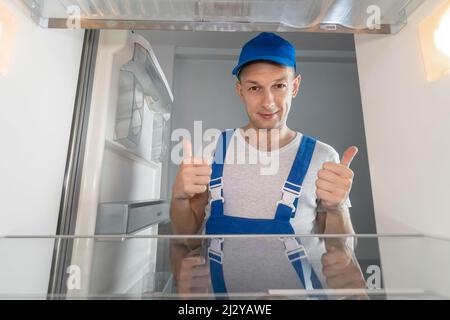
point(280, 86)
point(253, 88)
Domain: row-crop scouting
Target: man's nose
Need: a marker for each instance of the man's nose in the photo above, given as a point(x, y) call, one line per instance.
point(268, 100)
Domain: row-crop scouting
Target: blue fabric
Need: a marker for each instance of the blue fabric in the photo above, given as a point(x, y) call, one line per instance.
point(218, 282)
point(238, 225)
point(301, 162)
point(220, 224)
point(269, 47)
point(292, 186)
point(297, 176)
point(217, 168)
point(299, 269)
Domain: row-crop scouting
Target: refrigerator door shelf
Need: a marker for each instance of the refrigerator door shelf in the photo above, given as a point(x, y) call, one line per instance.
point(129, 110)
point(141, 82)
point(160, 137)
point(148, 73)
point(350, 16)
point(129, 217)
point(144, 102)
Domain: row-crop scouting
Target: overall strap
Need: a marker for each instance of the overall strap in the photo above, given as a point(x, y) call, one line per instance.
point(216, 183)
point(215, 255)
point(291, 190)
point(296, 254)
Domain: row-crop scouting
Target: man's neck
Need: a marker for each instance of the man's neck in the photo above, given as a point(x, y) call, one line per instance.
point(268, 139)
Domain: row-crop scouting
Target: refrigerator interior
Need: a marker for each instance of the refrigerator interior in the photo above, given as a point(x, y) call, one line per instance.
point(148, 83)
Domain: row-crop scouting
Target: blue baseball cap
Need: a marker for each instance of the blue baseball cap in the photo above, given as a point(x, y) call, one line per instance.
point(269, 47)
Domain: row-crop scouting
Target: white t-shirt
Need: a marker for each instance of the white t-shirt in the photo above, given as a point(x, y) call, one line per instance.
point(250, 194)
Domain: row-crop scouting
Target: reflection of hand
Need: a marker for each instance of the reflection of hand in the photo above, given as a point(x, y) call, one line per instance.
point(341, 271)
point(334, 181)
point(193, 276)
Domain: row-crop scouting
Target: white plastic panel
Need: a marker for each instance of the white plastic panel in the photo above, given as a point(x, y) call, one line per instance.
point(226, 15)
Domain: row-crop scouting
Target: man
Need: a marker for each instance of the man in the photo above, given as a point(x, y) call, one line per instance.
point(241, 200)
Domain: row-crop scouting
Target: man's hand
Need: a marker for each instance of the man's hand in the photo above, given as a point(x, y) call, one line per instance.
point(335, 180)
point(193, 177)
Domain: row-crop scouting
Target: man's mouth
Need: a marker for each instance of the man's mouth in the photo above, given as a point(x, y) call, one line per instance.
point(268, 116)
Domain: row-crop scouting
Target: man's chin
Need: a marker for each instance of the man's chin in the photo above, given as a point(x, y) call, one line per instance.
point(267, 126)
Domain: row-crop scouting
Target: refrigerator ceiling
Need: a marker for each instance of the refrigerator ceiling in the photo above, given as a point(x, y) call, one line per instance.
point(344, 16)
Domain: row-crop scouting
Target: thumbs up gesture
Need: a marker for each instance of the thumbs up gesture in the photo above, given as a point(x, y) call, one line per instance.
point(193, 176)
point(334, 181)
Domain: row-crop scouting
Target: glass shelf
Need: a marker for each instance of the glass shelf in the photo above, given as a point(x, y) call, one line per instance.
point(225, 15)
point(143, 266)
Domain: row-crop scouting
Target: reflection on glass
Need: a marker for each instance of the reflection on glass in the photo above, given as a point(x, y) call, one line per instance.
point(340, 267)
point(256, 266)
point(143, 266)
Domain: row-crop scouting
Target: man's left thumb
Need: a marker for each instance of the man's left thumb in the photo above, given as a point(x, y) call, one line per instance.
point(348, 156)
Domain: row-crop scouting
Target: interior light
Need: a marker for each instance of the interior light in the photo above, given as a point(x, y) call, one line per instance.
point(435, 41)
point(442, 34)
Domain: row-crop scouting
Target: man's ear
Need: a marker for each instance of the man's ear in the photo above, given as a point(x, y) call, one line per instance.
point(296, 85)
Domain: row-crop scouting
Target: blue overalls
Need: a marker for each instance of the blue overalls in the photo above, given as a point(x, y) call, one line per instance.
point(218, 223)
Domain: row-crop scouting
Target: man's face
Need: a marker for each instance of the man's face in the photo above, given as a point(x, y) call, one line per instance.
point(267, 90)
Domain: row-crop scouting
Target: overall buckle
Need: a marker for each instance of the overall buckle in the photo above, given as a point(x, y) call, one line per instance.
point(215, 252)
point(289, 195)
point(294, 251)
point(215, 188)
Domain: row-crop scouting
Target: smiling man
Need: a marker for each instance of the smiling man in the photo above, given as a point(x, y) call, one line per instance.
point(307, 194)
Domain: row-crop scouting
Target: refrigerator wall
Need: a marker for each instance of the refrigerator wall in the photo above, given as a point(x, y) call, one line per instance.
point(407, 127)
point(36, 107)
